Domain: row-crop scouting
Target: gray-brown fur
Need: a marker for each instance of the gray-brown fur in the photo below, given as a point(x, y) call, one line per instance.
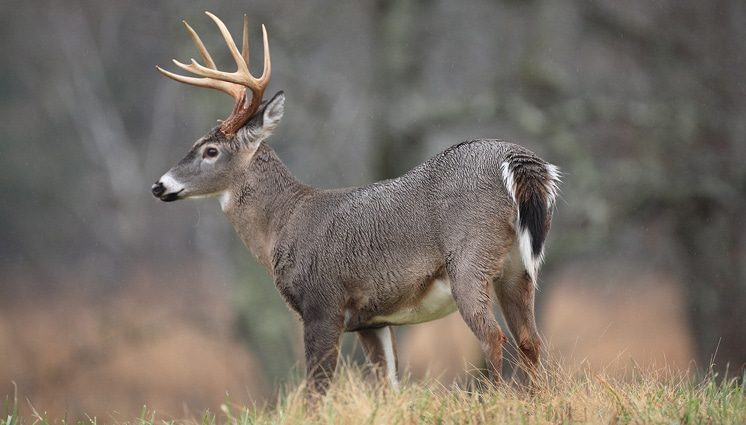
point(343, 257)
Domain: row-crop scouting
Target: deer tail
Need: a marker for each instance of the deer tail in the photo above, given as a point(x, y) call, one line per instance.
point(533, 185)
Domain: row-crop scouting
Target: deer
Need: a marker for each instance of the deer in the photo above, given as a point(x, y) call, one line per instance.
point(467, 224)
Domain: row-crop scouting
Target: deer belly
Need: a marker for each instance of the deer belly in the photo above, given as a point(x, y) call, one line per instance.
point(436, 303)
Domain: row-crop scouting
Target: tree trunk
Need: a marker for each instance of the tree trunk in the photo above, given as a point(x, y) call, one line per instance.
point(397, 69)
point(711, 240)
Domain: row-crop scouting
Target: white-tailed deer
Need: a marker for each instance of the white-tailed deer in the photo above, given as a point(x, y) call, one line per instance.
point(440, 238)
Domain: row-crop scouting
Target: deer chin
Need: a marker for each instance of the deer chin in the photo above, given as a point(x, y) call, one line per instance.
point(223, 196)
point(170, 197)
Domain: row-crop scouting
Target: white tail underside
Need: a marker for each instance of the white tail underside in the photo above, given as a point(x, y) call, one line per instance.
point(531, 262)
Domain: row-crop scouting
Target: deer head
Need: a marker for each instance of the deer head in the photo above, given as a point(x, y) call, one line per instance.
point(212, 162)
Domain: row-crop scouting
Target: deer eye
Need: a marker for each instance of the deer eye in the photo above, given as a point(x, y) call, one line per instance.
point(211, 152)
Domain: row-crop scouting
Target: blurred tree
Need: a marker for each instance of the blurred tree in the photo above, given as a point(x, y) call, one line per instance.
point(691, 134)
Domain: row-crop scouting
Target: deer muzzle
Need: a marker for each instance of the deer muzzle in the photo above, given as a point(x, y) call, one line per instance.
point(167, 189)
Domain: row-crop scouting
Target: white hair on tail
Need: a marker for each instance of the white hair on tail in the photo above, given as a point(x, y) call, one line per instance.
point(524, 237)
point(531, 262)
point(508, 180)
point(555, 178)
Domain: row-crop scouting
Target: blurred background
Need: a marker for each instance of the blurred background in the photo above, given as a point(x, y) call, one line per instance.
point(110, 300)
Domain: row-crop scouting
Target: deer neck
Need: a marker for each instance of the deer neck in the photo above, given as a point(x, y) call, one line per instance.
point(261, 201)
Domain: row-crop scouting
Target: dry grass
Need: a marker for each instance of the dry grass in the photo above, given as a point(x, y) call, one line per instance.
point(141, 345)
point(564, 396)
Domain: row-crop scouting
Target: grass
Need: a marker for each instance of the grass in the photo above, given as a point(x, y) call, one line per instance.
point(563, 396)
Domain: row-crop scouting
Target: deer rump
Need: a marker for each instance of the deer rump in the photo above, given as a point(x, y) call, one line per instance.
point(387, 253)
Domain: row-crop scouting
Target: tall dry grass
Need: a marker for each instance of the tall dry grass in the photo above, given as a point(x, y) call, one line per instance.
point(170, 346)
point(563, 395)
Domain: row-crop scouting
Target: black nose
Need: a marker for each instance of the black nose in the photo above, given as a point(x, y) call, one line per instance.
point(158, 189)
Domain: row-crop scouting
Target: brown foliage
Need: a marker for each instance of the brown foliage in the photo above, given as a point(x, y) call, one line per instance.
point(165, 346)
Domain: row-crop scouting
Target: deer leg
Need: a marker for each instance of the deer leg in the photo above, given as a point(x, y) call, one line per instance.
point(472, 295)
point(321, 340)
point(517, 303)
point(380, 348)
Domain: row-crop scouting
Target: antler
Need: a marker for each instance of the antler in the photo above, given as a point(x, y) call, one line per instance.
point(232, 83)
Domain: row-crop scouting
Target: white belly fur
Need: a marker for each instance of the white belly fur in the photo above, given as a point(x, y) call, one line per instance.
point(437, 303)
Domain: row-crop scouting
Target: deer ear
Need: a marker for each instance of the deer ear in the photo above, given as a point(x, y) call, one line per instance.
point(274, 110)
point(264, 122)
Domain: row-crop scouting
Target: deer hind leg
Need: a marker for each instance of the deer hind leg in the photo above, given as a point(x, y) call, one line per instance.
point(472, 295)
point(516, 296)
point(380, 348)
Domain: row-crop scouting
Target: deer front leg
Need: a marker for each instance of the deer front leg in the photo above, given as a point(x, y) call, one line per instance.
point(321, 339)
point(472, 296)
point(380, 348)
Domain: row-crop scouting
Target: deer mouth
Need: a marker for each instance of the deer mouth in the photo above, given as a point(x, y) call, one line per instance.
point(170, 197)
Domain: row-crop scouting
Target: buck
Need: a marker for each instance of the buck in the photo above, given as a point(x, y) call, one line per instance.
point(467, 222)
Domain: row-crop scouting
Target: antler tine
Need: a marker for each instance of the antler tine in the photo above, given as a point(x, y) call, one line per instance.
point(245, 42)
point(228, 88)
point(231, 77)
point(200, 46)
point(242, 66)
point(232, 83)
point(181, 78)
point(240, 76)
point(267, 71)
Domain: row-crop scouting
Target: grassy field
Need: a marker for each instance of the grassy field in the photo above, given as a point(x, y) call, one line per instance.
point(564, 396)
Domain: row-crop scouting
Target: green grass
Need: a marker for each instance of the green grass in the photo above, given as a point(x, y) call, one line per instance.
point(563, 396)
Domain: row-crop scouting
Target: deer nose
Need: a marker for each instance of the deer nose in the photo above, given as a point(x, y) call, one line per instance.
point(158, 189)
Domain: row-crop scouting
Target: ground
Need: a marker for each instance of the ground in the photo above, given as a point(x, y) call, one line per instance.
point(563, 396)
